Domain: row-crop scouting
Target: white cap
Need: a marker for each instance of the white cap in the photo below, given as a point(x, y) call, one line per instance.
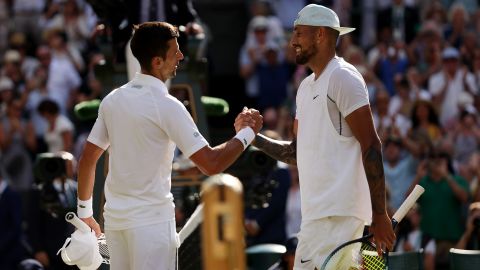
point(317, 15)
point(259, 22)
point(6, 84)
point(12, 56)
point(81, 249)
point(450, 53)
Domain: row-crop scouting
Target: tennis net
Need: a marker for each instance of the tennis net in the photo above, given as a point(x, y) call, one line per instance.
point(190, 251)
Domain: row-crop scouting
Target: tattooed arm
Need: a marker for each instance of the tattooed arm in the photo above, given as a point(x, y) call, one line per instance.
point(361, 123)
point(280, 150)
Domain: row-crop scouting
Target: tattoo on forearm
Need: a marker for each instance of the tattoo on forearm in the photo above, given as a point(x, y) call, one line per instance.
point(279, 150)
point(376, 181)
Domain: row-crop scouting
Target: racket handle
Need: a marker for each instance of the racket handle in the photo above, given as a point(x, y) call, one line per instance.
point(408, 203)
point(77, 222)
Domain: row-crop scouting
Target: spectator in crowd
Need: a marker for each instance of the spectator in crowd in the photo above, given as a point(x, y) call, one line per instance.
point(74, 22)
point(59, 135)
point(471, 236)
point(413, 239)
point(426, 128)
point(447, 85)
point(445, 195)
point(465, 138)
point(273, 76)
point(12, 70)
point(17, 141)
point(455, 31)
point(385, 123)
point(402, 102)
point(252, 53)
point(36, 92)
point(63, 77)
point(392, 64)
point(399, 167)
point(11, 250)
point(7, 94)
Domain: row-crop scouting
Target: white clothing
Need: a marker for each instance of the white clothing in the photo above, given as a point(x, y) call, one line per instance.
point(415, 239)
point(144, 248)
point(401, 122)
point(318, 238)
point(63, 79)
point(344, 96)
point(54, 138)
point(330, 166)
point(293, 212)
point(142, 124)
point(449, 107)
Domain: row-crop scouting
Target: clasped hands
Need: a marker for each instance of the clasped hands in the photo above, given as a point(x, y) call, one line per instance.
point(249, 118)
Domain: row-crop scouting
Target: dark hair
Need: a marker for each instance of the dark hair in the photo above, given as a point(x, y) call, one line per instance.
point(48, 106)
point(150, 39)
point(432, 113)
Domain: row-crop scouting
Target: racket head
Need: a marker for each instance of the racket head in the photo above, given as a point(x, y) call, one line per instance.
point(358, 254)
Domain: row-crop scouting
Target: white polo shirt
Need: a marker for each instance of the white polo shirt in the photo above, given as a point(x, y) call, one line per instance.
point(330, 167)
point(142, 124)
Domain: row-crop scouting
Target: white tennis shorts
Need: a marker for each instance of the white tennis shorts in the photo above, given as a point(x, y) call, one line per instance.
point(318, 238)
point(150, 247)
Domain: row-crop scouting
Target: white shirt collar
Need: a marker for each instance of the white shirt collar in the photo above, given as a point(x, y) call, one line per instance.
point(150, 81)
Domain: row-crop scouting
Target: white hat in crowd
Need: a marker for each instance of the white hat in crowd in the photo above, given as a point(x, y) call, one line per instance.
point(317, 15)
point(259, 22)
point(81, 249)
point(450, 53)
point(6, 84)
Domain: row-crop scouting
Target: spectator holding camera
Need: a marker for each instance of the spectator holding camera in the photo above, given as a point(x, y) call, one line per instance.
point(471, 237)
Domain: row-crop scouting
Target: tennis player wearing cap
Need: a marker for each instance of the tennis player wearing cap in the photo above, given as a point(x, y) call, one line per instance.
point(337, 150)
point(141, 124)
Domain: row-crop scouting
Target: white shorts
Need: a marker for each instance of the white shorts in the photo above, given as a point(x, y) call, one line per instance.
point(150, 247)
point(318, 238)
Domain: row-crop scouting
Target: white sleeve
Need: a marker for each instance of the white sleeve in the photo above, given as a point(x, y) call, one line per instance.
point(471, 83)
point(436, 83)
point(348, 90)
point(180, 128)
point(99, 133)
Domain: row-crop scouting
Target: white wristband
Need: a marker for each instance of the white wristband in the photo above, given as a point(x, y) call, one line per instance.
point(84, 208)
point(245, 136)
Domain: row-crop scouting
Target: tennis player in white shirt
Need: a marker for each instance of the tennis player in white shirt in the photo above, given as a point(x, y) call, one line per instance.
point(141, 124)
point(336, 147)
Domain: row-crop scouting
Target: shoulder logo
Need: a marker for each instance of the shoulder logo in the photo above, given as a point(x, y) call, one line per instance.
point(315, 96)
point(137, 86)
point(196, 134)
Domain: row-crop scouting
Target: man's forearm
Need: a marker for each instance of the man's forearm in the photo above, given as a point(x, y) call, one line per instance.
point(280, 150)
point(373, 163)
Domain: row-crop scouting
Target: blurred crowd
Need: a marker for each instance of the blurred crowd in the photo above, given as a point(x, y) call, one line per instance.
point(421, 65)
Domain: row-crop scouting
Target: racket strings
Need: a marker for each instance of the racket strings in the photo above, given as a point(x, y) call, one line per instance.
point(356, 256)
point(103, 248)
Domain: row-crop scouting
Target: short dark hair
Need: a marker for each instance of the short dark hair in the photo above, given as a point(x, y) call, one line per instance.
point(48, 106)
point(150, 39)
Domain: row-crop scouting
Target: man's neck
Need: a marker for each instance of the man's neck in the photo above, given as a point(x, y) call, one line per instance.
point(318, 64)
point(154, 73)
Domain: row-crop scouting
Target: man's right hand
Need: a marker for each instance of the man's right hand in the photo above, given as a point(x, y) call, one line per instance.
point(92, 223)
point(250, 118)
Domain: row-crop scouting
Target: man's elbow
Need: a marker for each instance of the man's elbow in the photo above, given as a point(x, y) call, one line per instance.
point(211, 169)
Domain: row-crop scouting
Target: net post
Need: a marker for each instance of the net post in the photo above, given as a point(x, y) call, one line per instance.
point(223, 245)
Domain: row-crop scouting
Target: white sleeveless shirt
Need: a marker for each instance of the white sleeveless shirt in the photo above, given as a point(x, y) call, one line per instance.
point(331, 172)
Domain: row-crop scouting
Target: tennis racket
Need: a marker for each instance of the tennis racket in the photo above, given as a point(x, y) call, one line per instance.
point(82, 226)
point(361, 253)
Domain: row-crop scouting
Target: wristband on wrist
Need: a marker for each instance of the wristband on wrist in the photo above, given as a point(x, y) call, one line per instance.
point(245, 136)
point(84, 208)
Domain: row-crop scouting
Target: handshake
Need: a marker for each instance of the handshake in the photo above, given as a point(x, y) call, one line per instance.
point(249, 118)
